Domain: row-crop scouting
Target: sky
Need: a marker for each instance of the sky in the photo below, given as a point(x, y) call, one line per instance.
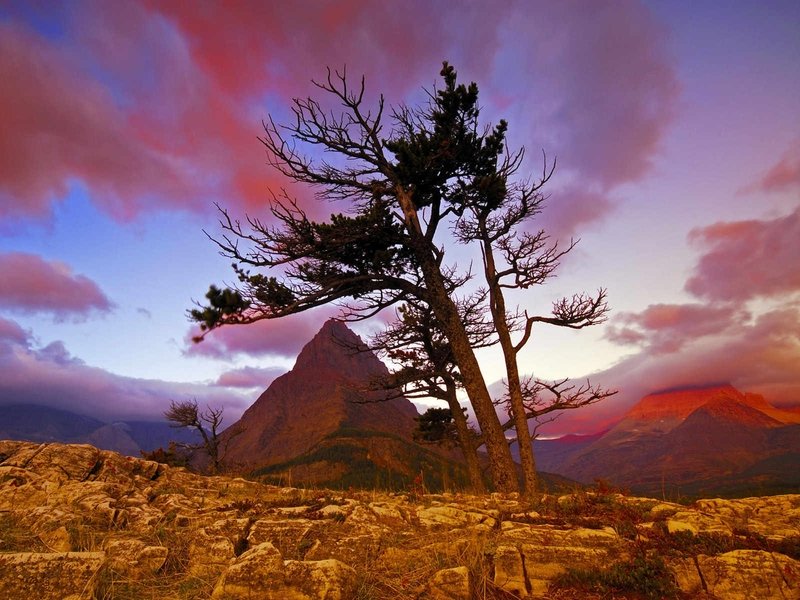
point(675, 125)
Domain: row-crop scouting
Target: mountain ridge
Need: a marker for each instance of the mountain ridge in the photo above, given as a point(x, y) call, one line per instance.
point(681, 441)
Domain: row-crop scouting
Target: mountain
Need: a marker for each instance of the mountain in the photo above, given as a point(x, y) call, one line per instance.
point(44, 424)
point(321, 424)
point(552, 454)
point(714, 440)
point(37, 423)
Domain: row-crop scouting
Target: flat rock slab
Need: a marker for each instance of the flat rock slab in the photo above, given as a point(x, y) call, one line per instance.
point(49, 575)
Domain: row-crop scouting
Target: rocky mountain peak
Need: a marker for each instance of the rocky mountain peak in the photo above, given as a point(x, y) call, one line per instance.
point(327, 390)
point(338, 349)
point(679, 404)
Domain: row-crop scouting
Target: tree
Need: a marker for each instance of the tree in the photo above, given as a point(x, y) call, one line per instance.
point(492, 212)
point(384, 252)
point(437, 172)
point(426, 368)
point(436, 425)
point(207, 423)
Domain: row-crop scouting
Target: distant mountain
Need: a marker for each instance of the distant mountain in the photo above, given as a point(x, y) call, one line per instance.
point(714, 440)
point(36, 423)
point(552, 454)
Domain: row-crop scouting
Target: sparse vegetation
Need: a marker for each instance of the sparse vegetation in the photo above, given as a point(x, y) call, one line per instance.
point(643, 577)
point(15, 536)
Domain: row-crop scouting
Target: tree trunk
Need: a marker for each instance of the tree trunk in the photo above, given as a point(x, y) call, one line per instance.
point(465, 441)
point(498, 308)
point(501, 465)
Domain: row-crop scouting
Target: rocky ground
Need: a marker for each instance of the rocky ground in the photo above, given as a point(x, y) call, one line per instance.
point(77, 522)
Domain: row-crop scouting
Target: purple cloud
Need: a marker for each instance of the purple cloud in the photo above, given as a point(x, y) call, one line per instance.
point(32, 284)
point(747, 259)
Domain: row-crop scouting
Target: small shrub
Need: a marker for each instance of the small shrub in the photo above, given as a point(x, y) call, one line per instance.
point(648, 577)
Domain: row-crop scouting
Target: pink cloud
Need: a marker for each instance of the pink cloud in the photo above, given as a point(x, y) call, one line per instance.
point(747, 259)
point(273, 337)
point(249, 377)
point(668, 327)
point(10, 331)
point(61, 126)
point(283, 45)
point(783, 175)
point(32, 284)
point(157, 105)
point(569, 210)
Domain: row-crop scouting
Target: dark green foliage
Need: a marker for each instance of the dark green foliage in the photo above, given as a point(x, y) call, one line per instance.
point(436, 425)
point(646, 577)
point(221, 304)
point(446, 157)
point(173, 456)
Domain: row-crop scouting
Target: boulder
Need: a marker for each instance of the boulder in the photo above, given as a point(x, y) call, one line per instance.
point(740, 575)
point(450, 584)
point(261, 573)
point(134, 558)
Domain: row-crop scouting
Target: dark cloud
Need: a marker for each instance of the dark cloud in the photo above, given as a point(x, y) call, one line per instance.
point(32, 284)
point(50, 376)
point(747, 259)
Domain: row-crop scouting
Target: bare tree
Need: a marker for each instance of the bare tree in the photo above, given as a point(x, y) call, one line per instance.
point(493, 214)
point(207, 423)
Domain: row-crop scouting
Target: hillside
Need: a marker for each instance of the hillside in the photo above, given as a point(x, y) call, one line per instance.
point(80, 523)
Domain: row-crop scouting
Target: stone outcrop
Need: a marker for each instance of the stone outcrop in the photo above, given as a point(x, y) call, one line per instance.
point(76, 523)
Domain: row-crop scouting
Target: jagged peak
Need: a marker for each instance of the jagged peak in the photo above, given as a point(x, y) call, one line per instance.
point(680, 403)
point(337, 346)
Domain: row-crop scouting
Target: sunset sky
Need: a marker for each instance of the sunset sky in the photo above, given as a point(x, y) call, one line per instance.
point(676, 126)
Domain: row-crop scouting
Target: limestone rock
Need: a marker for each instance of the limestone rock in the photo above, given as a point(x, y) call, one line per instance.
point(49, 576)
point(261, 573)
point(164, 528)
point(743, 575)
point(209, 553)
point(453, 516)
point(509, 572)
point(134, 558)
point(321, 579)
point(450, 584)
point(57, 540)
